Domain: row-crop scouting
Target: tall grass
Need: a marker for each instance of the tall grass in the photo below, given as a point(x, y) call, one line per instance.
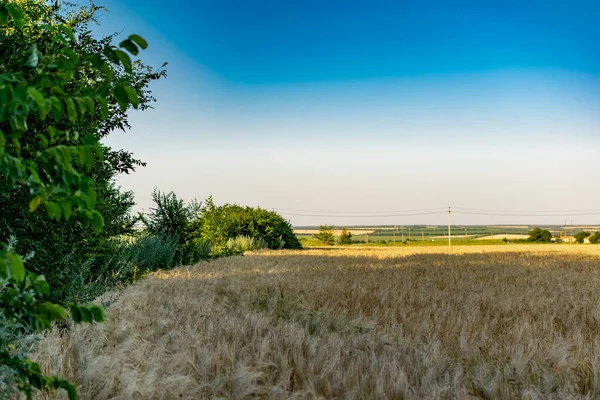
point(242, 244)
point(518, 322)
point(126, 260)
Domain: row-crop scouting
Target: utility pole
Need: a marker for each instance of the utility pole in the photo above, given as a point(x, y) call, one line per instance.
point(449, 232)
point(395, 234)
point(422, 235)
point(409, 233)
point(466, 237)
point(402, 234)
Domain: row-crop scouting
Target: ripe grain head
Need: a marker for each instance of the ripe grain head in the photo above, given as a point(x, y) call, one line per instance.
point(349, 323)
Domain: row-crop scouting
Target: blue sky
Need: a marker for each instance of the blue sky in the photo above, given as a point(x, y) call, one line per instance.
point(369, 106)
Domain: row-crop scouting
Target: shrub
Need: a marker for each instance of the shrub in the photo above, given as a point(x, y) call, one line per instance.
point(325, 235)
point(345, 237)
point(218, 224)
point(540, 235)
point(595, 238)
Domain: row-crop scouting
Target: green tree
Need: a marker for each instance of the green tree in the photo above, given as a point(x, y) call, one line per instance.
point(345, 237)
point(325, 235)
point(580, 236)
point(540, 235)
point(595, 238)
point(171, 216)
point(53, 92)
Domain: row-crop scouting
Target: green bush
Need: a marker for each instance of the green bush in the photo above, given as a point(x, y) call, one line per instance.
point(218, 224)
point(540, 235)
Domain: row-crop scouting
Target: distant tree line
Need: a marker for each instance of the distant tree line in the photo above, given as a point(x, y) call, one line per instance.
point(544, 236)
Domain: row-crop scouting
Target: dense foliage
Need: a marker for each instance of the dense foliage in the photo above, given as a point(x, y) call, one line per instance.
point(218, 224)
point(595, 238)
point(540, 235)
point(60, 91)
point(100, 82)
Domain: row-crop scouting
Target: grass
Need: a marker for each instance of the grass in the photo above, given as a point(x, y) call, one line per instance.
point(369, 322)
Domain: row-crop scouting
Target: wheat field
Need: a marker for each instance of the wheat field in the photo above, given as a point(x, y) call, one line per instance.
point(488, 322)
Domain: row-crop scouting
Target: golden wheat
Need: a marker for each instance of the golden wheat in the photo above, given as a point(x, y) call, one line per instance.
point(356, 323)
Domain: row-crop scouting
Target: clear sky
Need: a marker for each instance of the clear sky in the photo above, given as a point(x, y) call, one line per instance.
point(352, 108)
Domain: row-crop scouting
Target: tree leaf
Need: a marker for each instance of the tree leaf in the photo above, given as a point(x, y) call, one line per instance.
point(55, 312)
point(81, 104)
point(86, 315)
point(71, 113)
point(129, 46)
point(103, 107)
point(32, 60)
point(66, 209)
point(139, 41)
point(71, 390)
point(132, 95)
point(97, 61)
point(57, 91)
point(15, 268)
point(67, 32)
point(3, 15)
point(57, 108)
point(34, 203)
point(98, 313)
point(89, 102)
point(75, 313)
point(97, 220)
point(53, 210)
point(74, 57)
point(41, 285)
point(110, 54)
point(16, 13)
point(40, 101)
point(125, 60)
point(90, 140)
point(8, 77)
point(121, 96)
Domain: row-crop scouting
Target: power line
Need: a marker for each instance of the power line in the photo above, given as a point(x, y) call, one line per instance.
point(363, 216)
point(360, 212)
point(527, 215)
point(594, 210)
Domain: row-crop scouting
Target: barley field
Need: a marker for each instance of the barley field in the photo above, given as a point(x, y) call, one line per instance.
point(490, 322)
